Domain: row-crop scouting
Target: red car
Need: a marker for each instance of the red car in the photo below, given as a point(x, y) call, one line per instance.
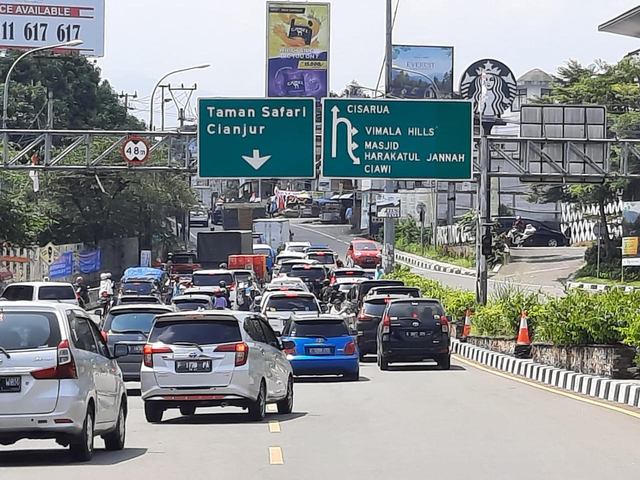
point(364, 253)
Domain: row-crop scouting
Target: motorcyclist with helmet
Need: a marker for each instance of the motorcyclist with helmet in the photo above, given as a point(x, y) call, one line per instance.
point(81, 291)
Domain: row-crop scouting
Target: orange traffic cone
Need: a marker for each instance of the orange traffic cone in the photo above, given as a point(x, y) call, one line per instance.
point(467, 325)
point(523, 335)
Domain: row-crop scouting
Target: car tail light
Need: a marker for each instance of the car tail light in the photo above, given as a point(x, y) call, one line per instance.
point(232, 287)
point(386, 324)
point(66, 367)
point(350, 348)
point(291, 294)
point(105, 336)
point(241, 350)
point(149, 350)
point(444, 324)
point(290, 351)
point(363, 316)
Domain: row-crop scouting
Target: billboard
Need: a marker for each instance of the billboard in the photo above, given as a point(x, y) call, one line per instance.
point(297, 49)
point(423, 72)
point(388, 206)
point(27, 24)
point(630, 234)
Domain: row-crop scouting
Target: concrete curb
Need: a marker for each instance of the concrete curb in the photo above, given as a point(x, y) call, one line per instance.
point(416, 261)
point(598, 287)
point(602, 388)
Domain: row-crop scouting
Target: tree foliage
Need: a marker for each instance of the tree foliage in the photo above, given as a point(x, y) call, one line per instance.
point(75, 207)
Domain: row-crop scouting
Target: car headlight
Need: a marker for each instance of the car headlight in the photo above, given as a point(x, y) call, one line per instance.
point(358, 254)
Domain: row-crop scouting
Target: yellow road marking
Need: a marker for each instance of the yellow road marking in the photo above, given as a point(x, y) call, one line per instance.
point(549, 389)
point(274, 426)
point(275, 456)
point(271, 408)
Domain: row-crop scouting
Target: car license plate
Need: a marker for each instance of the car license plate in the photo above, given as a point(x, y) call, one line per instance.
point(319, 350)
point(136, 349)
point(10, 384)
point(415, 334)
point(193, 366)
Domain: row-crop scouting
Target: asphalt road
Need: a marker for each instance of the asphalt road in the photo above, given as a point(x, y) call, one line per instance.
point(535, 269)
point(411, 422)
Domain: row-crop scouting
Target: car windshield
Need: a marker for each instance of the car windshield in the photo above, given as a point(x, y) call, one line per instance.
point(133, 300)
point(283, 259)
point(191, 305)
point(296, 248)
point(375, 308)
point(366, 246)
point(138, 321)
point(28, 330)
point(18, 292)
point(243, 276)
point(322, 257)
point(201, 332)
point(416, 310)
point(212, 279)
point(142, 288)
point(319, 328)
point(292, 303)
point(262, 251)
point(287, 267)
point(310, 273)
point(56, 292)
point(395, 291)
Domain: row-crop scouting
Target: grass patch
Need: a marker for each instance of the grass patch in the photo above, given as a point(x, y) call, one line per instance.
point(604, 281)
point(437, 255)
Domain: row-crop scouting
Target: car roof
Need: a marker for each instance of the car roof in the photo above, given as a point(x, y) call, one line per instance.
point(192, 296)
point(300, 261)
point(40, 284)
point(204, 315)
point(142, 306)
point(381, 282)
point(296, 293)
point(395, 287)
point(309, 266)
point(40, 305)
point(344, 270)
point(364, 240)
point(211, 272)
point(325, 316)
point(395, 296)
point(419, 300)
point(241, 270)
point(297, 244)
point(261, 245)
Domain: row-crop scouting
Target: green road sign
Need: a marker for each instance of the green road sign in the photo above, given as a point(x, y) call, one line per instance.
point(256, 138)
point(397, 139)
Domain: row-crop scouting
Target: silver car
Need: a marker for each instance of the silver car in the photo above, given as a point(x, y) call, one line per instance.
point(58, 379)
point(130, 325)
point(215, 358)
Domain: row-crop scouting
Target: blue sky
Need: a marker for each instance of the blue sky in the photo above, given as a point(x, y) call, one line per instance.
point(147, 38)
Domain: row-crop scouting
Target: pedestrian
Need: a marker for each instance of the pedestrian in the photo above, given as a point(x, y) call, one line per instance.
point(348, 214)
point(379, 272)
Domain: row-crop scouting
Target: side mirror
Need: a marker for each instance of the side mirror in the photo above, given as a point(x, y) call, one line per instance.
point(324, 307)
point(120, 350)
point(288, 344)
point(98, 312)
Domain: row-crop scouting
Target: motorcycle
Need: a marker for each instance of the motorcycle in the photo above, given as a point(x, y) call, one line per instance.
point(517, 238)
point(105, 302)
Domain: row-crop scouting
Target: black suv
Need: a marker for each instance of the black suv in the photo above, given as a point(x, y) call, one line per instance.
point(413, 330)
point(368, 319)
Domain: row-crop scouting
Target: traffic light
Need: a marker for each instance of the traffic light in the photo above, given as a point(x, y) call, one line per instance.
point(486, 243)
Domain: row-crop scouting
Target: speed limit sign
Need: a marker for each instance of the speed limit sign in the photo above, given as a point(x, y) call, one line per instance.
point(135, 150)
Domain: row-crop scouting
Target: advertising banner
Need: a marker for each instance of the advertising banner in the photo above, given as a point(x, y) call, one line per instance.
point(62, 267)
point(388, 206)
point(297, 50)
point(422, 72)
point(630, 234)
point(90, 261)
point(28, 24)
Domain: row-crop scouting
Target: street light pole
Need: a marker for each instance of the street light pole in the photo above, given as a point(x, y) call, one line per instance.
point(5, 99)
point(153, 93)
point(389, 223)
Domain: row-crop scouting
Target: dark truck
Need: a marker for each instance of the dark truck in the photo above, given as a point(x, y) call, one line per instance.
point(214, 248)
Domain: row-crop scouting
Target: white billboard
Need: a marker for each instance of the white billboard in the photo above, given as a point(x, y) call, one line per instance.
point(28, 24)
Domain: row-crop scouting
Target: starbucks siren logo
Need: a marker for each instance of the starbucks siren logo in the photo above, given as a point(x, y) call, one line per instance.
point(491, 86)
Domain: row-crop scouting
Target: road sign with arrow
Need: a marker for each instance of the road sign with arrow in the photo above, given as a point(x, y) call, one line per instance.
point(256, 138)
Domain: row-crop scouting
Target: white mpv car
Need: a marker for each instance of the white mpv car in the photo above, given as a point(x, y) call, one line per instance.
point(58, 379)
point(215, 358)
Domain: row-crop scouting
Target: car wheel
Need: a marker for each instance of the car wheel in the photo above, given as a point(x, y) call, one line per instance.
point(383, 362)
point(445, 362)
point(353, 377)
point(187, 410)
point(285, 405)
point(153, 412)
point(115, 440)
point(258, 409)
point(82, 446)
point(553, 243)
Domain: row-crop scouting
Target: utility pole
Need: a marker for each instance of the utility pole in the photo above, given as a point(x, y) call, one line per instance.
point(483, 215)
point(181, 107)
point(162, 109)
point(48, 138)
point(126, 97)
point(389, 223)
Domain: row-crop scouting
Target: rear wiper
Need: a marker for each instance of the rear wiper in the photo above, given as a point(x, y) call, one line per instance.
point(130, 332)
point(189, 344)
point(311, 336)
point(2, 350)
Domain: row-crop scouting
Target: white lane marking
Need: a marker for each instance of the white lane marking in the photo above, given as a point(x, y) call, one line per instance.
point(323, 234)
point(535, 271)
point(274, 426)
point(275, 456)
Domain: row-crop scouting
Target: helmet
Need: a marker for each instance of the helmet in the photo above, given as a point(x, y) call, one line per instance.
point(105, 276)
point(223, 266)
point(223, 284)
point(79, 280)
point(326, 283)
point(518, 217)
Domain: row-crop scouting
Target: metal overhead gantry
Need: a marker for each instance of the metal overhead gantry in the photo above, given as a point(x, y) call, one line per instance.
point(94, 150)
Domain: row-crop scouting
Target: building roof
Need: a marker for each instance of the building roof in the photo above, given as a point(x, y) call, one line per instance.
point(535, 76)
point(626, 24)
